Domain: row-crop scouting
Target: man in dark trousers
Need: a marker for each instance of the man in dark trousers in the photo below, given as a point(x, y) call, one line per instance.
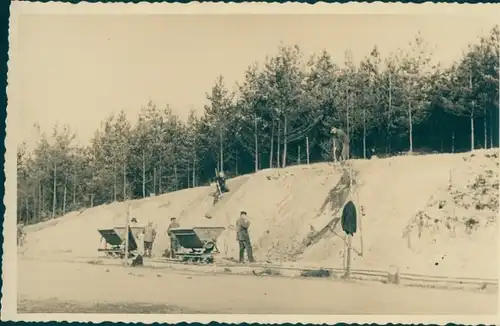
point(243, 237)
point(174, 244)
point(149, 238)
point(339, 136)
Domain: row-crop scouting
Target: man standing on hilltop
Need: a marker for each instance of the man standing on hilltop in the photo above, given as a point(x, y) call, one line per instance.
point(342, 138)
point(243, 237)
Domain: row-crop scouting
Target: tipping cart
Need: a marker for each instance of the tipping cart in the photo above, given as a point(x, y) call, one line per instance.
point(115, 241)
point(201, 241)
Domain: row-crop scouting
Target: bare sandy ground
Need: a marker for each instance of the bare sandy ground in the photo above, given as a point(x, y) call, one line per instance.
point(73, 287)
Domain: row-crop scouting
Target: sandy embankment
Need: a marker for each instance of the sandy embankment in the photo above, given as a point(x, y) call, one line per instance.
point(404, 223)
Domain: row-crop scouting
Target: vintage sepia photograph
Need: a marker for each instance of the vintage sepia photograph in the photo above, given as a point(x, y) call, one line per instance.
point(252, 160)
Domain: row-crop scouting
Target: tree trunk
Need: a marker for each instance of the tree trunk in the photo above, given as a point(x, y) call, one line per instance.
point(334, 149)
point(27, 204)
point(35, 203)
point(64, 194)
point(74, 190)
point(238, 161)
point(278, 152)
point(114, 184)
point(256, 145)
point(410, 125)
point(92, 191)
point(307, 150)
point(221, 150)
point(389, 144)
point(364, 133)
point(154, 180)
point(485, 127)
point(491, 130)
point(471, 114)
point(160, 188)
point(272, 149)
point(124, 182)
point(472, 130)
point(175, 176)
point(347, 113)
point(298, 155)
point(285, 142)
point(43, 194)
point(194, 172)
point(54, 200)
point(143, 174)
point(453, 142)
point(40, 202)
point(33, 216)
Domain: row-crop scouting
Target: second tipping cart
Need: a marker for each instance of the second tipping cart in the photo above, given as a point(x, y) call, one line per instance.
point(201, 241)
point(115, 241)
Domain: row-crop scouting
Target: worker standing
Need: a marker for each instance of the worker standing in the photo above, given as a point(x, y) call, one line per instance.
point(243, 237)
point(343, 139)
point(149, 238)
point(20, 234)
point(174, 243)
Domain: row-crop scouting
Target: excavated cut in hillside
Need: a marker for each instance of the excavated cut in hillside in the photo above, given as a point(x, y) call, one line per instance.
point(295, 215)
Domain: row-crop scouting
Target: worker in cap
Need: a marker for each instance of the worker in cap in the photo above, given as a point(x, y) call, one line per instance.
point(243, 237)
point(149, 238)
point(221, 181)
point(341, 137)
point(174, 243)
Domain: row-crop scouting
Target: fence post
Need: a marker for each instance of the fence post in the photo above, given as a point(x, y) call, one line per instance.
point(307, 149)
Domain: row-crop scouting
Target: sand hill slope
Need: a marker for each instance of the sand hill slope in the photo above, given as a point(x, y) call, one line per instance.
point(433, 214)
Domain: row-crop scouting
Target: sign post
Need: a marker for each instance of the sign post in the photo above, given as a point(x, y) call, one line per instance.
point(349, 249)
point(349, 224)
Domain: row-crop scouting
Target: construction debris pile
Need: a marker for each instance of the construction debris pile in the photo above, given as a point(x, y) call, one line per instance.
point(468, 203)
point(462, 214)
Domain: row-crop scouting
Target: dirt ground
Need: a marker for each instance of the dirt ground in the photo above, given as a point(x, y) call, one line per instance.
point(84, 288)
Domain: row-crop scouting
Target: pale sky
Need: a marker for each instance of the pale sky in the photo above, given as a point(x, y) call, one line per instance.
point(78, 69)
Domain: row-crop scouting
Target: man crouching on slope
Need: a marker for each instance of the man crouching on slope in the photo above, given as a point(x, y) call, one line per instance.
point(220, 178)
point(340, 136)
